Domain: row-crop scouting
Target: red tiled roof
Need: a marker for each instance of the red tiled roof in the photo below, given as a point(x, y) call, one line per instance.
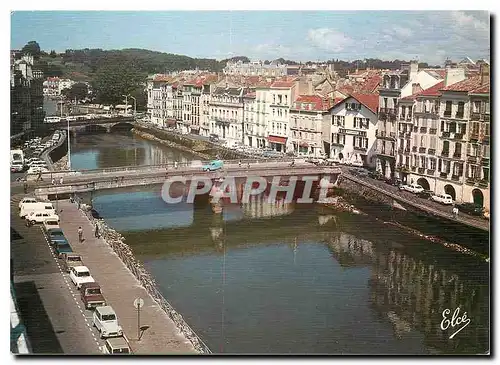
point(162, 78)
point(368, 100)
point(465, 85)
point(250, 95)
point(317, 103)
point(484, 89)
point(433, 90)
point(371, 84)
point(282, 84)
point(263, 85)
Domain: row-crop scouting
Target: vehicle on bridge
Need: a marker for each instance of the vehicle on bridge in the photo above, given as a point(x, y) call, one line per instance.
point(70, 260)
point(27, 201)
point(50, 223)
point(106, 322)
point(426, 194)
point(213, 165)
point(91, 295)
point(471, 209)
point(51, 119)
point(116, 346)
point(80, 275)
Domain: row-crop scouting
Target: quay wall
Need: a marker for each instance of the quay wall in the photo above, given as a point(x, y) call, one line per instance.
point(385, 208)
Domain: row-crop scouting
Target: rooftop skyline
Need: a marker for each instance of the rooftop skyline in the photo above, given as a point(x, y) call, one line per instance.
point(429, 36)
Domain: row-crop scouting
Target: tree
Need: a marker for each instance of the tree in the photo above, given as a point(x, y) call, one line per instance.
point(78, 91)
point(115, 79)
point(32, 48)
point(53, 54)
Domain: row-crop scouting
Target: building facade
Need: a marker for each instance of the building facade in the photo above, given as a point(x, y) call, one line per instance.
point(354, 126)
point(281, 94)
point(307, 116)
point(226, 114)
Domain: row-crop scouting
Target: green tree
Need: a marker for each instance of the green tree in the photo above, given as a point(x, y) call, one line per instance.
point(115, 79)
point(32, 48)
point(53, 54)
point(78, 91)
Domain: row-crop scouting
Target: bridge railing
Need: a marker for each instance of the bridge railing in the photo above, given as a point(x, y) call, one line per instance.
point(125, 253)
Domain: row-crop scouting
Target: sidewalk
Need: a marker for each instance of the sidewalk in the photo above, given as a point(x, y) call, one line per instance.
point(121, 288)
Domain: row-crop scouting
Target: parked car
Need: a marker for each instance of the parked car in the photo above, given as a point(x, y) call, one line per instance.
point(106, 322)
point(471, 209)
point(92, 296)
point(375, 175)
point(50, 223)
point(213, 165)
point(62, 248)
point(426, 194)
point(80, 275)
point(445, 199)
point(116, 346)
point(56, 235)
point(71, 259)
point(393, 182)
point(413, 188)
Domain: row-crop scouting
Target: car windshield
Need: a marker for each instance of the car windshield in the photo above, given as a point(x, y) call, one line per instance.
point(56, 233)
point(120, 351)
point(64, 246)
point(83, 273)
point(93, 291)
point(51, 223)
point(108, 317)
point(74, 258)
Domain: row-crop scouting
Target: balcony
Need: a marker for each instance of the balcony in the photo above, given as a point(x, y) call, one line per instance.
point(421, 150)
point(486, 139)
point(407, 151)
point(421, 170)
point(432, 130)
point(415, 128)
point(459, 115)
point(455, 177)
point(414, 149)
point(340, 144)
point(476, 116)
point(407, 135)
point(485, 161)
point(472, 180)
point(414, 168)
point(403, 168)
point(431, 151)
point(423, 129)
point(386, 153)
point(483, 183)
point(431, 171)
point(445, 134)
point(445, 153)
point(474, 136)
point(447, 113)
point(472, 159)
point(458, 136)
point(443, 175)
point(487, 118)
point(400, 150)
point(362, 149)
point(457, 155)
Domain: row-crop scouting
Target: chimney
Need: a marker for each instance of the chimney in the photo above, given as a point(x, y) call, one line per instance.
point(413, 70)
point(415, 88)
point(484, 71)
point(453, 75)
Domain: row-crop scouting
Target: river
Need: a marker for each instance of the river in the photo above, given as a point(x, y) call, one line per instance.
point(285, 278)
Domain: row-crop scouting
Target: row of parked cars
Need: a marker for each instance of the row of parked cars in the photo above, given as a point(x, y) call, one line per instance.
point(104, 317)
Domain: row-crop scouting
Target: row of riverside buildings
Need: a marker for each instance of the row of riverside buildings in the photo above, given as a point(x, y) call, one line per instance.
point(26, 95)
point(428, 126)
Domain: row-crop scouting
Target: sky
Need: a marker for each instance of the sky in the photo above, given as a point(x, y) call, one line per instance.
point(429, 36)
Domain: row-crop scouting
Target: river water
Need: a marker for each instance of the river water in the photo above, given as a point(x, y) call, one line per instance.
point(284, 278)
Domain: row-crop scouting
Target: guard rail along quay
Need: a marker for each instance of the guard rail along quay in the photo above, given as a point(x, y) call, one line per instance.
point(116, 241)
point(483, 225)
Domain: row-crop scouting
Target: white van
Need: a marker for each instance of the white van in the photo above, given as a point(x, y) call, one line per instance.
point(27, 200)
point(36, 207)
point(445, 199)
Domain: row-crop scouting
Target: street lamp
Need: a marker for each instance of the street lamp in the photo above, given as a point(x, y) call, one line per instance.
point(135, 105)
point(69, 148)
point(126, 102)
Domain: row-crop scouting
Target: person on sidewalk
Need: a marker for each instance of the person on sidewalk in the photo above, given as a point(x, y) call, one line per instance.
point(25, 187)
point(80, 234)
point(61, 180)
point(39, 178)
point(96, 231)
point(53, 181)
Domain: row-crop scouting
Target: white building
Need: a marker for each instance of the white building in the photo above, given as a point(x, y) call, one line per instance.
point(252, 130)
point(262, 107)
point(307, 116)
point(255, 68)
point(354, 124)
point(281, 95)
point(226, 113)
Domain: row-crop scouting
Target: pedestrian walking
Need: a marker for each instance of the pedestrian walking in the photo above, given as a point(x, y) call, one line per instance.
point(53, 181)
point(96, 231)
point(80, 234)
point(175, 164)
point(239, 163)
point(25, 187)
point(39, 178)
point(248, 165)
point(455, 212)
point(61, 181)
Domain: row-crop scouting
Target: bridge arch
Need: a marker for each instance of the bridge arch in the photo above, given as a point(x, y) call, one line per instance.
point(449, 189)
point(92, 128)
point(424, 183)
point(121, 126)
point(478, 197)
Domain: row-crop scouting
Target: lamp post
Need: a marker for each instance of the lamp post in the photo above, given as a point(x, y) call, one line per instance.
point(126, 102)
point(135, 104)
point(69, 148)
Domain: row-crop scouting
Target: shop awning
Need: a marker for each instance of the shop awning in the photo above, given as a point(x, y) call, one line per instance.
point(303, 144)
point(276, 139)
point(171, 121)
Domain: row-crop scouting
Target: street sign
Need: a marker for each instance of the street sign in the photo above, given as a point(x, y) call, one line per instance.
point(138, 303)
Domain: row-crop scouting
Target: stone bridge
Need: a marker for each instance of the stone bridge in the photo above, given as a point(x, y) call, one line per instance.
point(99, 124)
